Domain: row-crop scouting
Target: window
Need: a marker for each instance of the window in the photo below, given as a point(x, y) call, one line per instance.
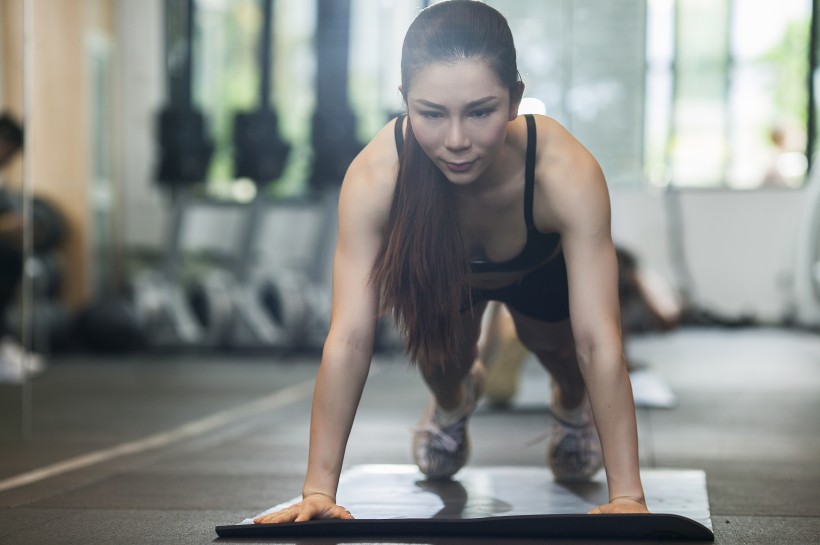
point(584, 60)
point(227, 82)
point(768, 94)
point(728, 105)
point(694, 93)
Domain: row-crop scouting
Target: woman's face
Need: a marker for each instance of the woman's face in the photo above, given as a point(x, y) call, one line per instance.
point(459, 113)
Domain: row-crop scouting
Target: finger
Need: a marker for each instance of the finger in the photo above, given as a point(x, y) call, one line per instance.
point(596, 511)
point(344, 514)
point(305, 514)
point(265, 519)
point(285, 515)
point(273, 518)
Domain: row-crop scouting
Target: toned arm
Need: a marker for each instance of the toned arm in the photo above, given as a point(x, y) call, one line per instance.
point(579, 208)
point(349, 345)
point(364, 205)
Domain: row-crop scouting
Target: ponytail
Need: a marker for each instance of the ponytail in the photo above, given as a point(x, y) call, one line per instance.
point(422, 269)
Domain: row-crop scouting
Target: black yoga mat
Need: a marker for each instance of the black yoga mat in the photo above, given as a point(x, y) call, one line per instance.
point(509, 502)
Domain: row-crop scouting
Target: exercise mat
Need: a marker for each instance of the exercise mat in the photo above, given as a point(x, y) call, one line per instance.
point(501, 502)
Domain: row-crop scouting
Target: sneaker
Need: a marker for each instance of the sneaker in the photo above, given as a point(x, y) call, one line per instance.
point(441, 446)
point(574, 451)
point(16, 363)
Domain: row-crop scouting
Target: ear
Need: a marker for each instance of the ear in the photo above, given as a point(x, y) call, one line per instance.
point(516, 94)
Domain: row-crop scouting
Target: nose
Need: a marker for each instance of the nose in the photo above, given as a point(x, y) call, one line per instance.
point(457, 138)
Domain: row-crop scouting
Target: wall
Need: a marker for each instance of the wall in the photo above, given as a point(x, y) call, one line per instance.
point(65, 34)
point(739, 246)
point(140, 60)
point(11, 48)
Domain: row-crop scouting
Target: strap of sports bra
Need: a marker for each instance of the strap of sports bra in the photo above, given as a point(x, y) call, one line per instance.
point(529, 181)
point(399, 132)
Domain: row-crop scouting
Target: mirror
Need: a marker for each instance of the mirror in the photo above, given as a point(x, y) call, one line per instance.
point(56, 90)
point(15, 390)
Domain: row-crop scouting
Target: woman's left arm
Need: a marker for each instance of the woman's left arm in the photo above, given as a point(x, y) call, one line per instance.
point(579, 203)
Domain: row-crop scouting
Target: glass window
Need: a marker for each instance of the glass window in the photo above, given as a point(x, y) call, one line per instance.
point(697, 93)
point(697, 148)
point(227, 82)
point(378, 29)
point(584, 59)
point(769, 93)
point(660, 58)
point(728, 108)
point(226, 74)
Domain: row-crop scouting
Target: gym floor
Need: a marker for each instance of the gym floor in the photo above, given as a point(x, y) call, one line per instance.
point(181, 444)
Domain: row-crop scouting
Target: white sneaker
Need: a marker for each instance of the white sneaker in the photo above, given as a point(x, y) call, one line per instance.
point(16, 363)
point(441, 448)
point(574, 451)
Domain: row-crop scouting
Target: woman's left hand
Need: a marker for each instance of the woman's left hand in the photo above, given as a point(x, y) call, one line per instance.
point(619, 506)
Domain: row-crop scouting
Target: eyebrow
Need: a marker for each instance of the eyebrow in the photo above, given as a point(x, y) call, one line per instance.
point(472, 104)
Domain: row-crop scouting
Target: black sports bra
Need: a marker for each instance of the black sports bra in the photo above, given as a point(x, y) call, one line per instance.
point(539, 246)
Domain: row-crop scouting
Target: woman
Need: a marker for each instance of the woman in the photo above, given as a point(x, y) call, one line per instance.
point(453, 205)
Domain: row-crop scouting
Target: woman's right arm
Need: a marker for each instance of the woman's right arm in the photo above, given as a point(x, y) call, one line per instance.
point(364, 204)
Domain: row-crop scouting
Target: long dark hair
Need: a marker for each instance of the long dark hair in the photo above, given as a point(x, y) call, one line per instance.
point(422, 270)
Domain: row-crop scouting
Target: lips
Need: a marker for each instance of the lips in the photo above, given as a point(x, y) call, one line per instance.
point(459, 167)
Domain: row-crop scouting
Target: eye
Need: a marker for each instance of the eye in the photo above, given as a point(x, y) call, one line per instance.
point(432, 115)
point(481, 114)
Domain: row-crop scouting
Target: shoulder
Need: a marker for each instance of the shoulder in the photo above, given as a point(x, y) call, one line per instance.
point(377, 163)
point(559, 152)
point(567, 176)
point(370, 180)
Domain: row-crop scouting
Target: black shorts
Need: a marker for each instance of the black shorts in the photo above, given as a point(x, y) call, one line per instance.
point(542, 294)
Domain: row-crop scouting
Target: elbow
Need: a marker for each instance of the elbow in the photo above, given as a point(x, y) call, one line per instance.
point(596, 351)
point(344, 342)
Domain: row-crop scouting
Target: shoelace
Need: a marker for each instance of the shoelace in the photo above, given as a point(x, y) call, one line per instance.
point(545, 435)
point(444, 440)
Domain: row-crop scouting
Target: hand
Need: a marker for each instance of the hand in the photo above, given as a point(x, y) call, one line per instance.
point(619, 506)
point(315, 506)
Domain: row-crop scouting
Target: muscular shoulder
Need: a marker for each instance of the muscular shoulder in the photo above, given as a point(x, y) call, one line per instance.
point(568, 178)
point(371, 178)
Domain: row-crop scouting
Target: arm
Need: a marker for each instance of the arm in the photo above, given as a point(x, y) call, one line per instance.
point(363, 206)
point(658, 298)
point(579, 204)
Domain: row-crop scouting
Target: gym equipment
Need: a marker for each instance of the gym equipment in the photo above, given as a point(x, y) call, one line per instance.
point(209, 296)
point(273, 308)
point(159, 299)
point(110, 326)
point(498, 502)
point(244, 306)
point(173, 314)
point(334, 123)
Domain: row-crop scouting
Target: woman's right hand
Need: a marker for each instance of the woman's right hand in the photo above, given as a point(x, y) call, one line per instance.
point(315, 506)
